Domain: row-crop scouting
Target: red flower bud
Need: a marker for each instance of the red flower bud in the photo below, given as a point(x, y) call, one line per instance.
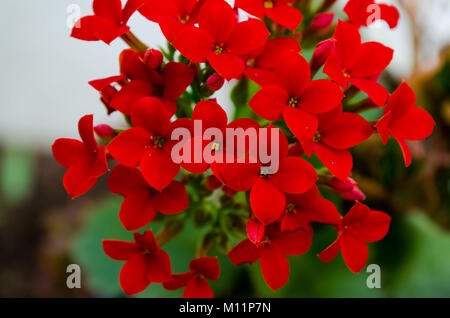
point(104, 131)
point(215, 82)
point(153, 58)
point(348, 190)
point(255, 231)
point(322, 21)
point(320, 55)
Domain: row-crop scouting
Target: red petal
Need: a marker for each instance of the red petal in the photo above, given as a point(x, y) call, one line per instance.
point(253, 7)
point(177, 77)
point(346, 131)
point(294, 243)
point(211, 115)
point(86, 130)
point(149, 113)
point(159, 269)
point(120, 250)
point(338, 162)
point(228, 66)
point(172, 199)
point(197, 287)
point(178, 281)
point(269, 102)
point(267, 201)
point(294, 176)
point(274, 51)
point(158, 168)
point(194, 43)
point(68, 151)
point(239, 177)
point(402, 100)
point(330, 252)
point(170, 26)
point(293, 73)
point(217, 18)
point(78, 180)
point(133, 276)
point(207, 266)
point(87, 28)
point(356, 214)
point(302, 124)
point(325, 212)
point(108, 9)
point(101, 84)
point(333, 69)
point(260, 76)
point(274, 266)
point(379, 56)
point(130, 7)
point(110, 35)
point(417, 124)
point(246, 36)
point(348, 42)
point(383, 127)
point(129, 146)
point(405, 151)
point(376, 92)
point(126, 181)
point(389, 14)
point(373, 228)
point(320, 96)
point(137, 211)
point(286, 16)
point(129, 94)
point(146, 241)
point(244, 252)
point(354, 252)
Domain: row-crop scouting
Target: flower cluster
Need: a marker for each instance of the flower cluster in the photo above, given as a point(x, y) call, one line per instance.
point(300, 108)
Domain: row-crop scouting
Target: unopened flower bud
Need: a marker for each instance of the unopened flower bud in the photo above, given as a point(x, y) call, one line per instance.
point(322, 21)
point(255, 231)
point(104, 131)
point(348, 189)
point(295, 150)
point(321, 54)
point(215, 82)
point(153, 59)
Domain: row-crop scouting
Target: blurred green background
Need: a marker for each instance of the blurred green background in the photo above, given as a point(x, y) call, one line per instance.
point(42, 231)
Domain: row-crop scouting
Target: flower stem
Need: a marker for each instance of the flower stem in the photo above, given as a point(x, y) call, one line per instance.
point(133, 42)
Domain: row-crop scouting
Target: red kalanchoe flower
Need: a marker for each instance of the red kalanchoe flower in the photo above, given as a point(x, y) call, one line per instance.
point(194, 281)
point(108, 22)
point(336, 133)
point(167, 83)
point(145, 262)
point(359, 64)
point(366, 12)
point(220, 40)
point(142, 202)
point(404, 121)
point(302, 209)
point(149, 143)
point(267, 189)
point(272, 252)
point(296, 98)
point(358, 226)
point(172, 15)
point(106, 90)
point(278, 10)
point(261, 63)
point(85, 160)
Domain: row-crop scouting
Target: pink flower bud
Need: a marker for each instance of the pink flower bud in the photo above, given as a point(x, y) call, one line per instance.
point(153, 59)
point(322, 21)
point(321, 53)
point(215, 82)
point(354, 195)
point(255, 231)
point(348, 189)
point(104, 131)
point(295, 150)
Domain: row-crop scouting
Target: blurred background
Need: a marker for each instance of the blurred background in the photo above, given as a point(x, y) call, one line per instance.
point(44, 92)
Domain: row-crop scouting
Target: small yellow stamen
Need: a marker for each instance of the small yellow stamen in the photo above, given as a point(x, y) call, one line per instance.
point(268, 4)
point(218, 49)
point(317, 137)
point(159, 142)
point(293, 102)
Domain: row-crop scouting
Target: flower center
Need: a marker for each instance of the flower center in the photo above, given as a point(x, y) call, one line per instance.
point(290, 208)
point(184, 19)
point(268, 4)
point(346, 74)
point(218, 49)
point(293, 101)
point(159, 142)
point(317, 137)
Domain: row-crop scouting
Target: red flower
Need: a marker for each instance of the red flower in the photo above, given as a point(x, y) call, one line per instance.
point(358, 226)
point(194, 281)
point(145, 262)
point(261, 63)
point(212, 115)
point(272, 252)
point(220, 40)
point(142, 202)
point(149, 143)
point(106, 90)
point(278, 10)
point(85, 160)
point(267, 191)
point(108, 22)
point(302, 209)
point(404, 121)
point(296, 97)
point(172, 15)
point(358, 64)
point(366, 12)
point(167, 84)
point(336, 133)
